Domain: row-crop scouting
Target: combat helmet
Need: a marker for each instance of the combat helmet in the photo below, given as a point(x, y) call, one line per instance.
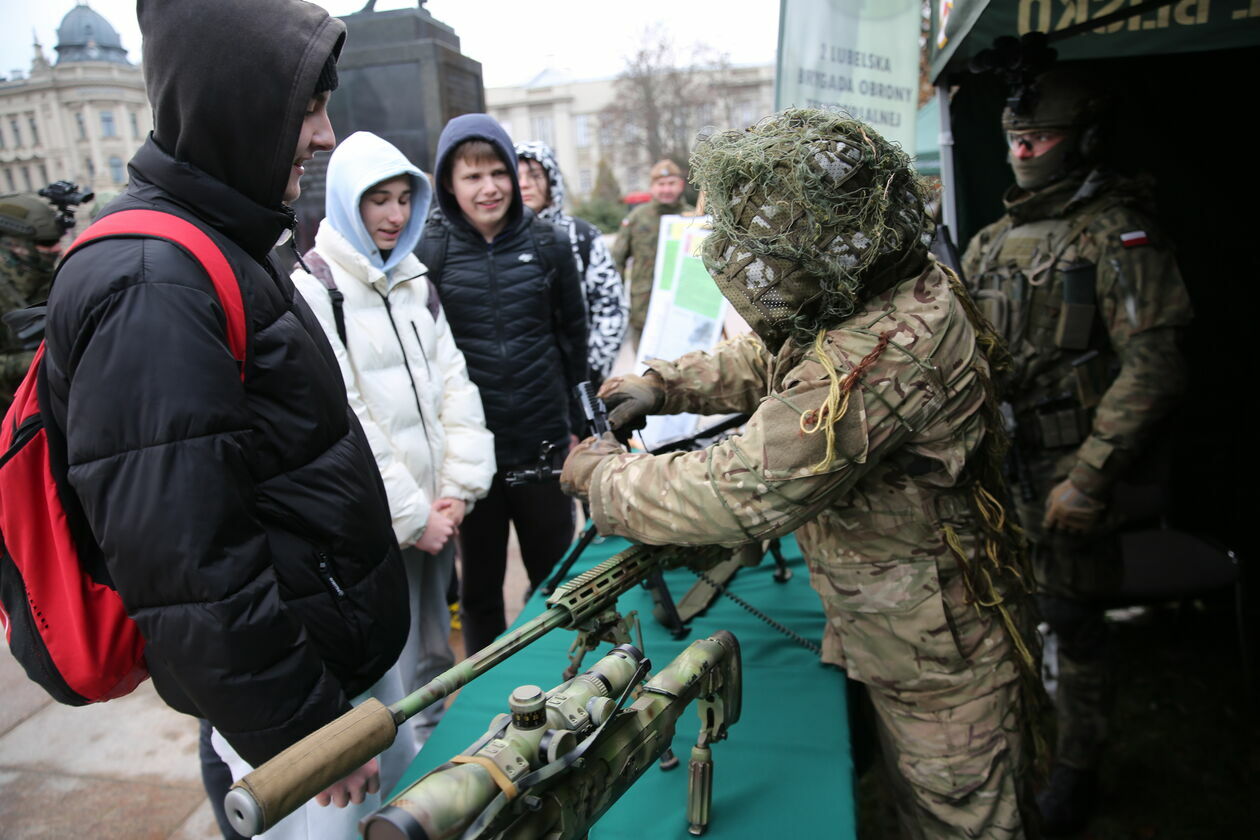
point(27, 216)
point(812, 212)
point(1061, 99)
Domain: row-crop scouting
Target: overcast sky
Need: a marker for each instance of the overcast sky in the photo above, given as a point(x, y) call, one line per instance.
point(512, 40)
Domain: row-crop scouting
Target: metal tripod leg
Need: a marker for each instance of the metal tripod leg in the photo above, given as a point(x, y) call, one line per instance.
point(665, 610)
point(782, 573)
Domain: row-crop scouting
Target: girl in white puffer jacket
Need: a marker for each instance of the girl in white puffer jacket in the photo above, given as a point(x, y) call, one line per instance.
point(405, 378)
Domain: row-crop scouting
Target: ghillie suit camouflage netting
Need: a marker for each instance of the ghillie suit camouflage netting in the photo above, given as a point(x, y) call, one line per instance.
point(812, 212)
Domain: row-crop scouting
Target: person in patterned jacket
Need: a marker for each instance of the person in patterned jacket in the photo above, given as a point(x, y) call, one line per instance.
point(542, 189)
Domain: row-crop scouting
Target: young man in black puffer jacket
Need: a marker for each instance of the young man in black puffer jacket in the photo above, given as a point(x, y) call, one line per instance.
point(513, 298)
point(239, 511)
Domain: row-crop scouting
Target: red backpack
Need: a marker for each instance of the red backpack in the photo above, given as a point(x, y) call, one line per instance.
point(68, 630)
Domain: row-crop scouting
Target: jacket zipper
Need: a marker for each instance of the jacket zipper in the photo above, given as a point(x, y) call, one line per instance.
point(494, 291)
point(403, 349)
point(22, 435)
point(326, 572)
point(411, 377)
point(427, 367)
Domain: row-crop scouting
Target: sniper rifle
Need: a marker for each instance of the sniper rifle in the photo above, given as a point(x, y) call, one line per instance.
point(587, 604)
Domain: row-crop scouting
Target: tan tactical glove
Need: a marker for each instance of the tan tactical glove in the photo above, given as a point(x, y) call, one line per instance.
point(575, 478)
point(630, 399)
point(1068, 509)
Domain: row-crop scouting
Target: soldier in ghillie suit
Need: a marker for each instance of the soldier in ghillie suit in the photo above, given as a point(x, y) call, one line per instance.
point(1086, 294)
point(636, 241)
point(29, 245)
point(874, 436)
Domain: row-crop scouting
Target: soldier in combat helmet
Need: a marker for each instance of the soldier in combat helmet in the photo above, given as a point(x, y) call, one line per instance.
point(874, 436)
point(30, 242)
point(1085, 291)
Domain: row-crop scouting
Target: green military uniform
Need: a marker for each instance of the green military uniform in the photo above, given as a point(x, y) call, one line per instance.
point(636, 242)
point(1087, 294)
point(874, 437)
point(25, 276)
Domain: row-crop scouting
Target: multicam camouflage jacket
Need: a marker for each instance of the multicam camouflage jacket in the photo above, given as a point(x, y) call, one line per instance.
point(903, 441)
point(636, 241)
point(1087, 294)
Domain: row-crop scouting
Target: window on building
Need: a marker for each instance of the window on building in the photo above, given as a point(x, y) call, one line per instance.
point(43, 173)
point(1, 138)
point(116, 169)
point(108, 129)
point(135, 126)
point(34, 131)
point(17, 132)
point(582, 131)
point(542, 127)
point(78, 118)
point(704, 114)
point(8, 176)
point(26, 176)
point(586, 181)
point(90, 167)
point(745, 113)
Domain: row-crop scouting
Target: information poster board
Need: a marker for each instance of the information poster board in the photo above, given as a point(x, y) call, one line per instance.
point(686, 313)
point(854, 56)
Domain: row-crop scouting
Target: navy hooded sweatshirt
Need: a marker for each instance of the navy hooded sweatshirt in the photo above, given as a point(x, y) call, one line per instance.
point(515, 306)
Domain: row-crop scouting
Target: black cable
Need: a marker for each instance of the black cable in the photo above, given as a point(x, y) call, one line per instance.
point(791, 634)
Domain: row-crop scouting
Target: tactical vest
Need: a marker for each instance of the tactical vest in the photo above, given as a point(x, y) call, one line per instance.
point(1036, 283)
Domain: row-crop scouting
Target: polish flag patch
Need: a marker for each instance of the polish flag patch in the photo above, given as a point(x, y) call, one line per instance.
point(1134, 238)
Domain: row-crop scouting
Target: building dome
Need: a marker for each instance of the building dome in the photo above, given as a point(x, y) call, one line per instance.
point(86, 36)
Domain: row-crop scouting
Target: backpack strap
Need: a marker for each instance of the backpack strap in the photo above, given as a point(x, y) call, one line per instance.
point(434, 303)
point(432, 249)
point(192, 240)
point(321, 271)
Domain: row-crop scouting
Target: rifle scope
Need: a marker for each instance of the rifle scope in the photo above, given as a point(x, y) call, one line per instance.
point(540, 730)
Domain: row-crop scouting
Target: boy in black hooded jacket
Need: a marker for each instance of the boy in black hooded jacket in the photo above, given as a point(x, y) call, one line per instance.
point(239, 513)
point(514, 301)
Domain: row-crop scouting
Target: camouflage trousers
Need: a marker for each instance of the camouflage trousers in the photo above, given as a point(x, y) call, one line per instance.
point(1072, 574)
point(945, 685)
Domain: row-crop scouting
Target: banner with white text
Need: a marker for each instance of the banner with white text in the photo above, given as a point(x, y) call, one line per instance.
point(855, 56)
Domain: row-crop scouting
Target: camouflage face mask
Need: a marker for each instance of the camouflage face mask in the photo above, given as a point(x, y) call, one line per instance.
point(811, 211)
point(23, 266)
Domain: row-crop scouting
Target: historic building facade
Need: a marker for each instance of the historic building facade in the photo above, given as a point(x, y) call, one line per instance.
point(565, 114)
point(79, 118)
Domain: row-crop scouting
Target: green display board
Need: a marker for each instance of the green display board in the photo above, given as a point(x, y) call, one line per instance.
point(786, 768)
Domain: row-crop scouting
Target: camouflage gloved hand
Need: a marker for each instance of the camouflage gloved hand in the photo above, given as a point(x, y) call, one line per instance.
point(1068, 509)
point(630, 399)
point(575, 478)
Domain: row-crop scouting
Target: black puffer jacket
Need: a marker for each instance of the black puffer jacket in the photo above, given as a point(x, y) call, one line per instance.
point(514, 305)
point(244, 524)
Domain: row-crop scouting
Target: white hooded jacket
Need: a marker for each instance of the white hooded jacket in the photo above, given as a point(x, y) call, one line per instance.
point(405, 378)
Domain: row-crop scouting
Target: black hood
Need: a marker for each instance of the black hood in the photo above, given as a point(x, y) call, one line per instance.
point(473, 127)
point(230, 98)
